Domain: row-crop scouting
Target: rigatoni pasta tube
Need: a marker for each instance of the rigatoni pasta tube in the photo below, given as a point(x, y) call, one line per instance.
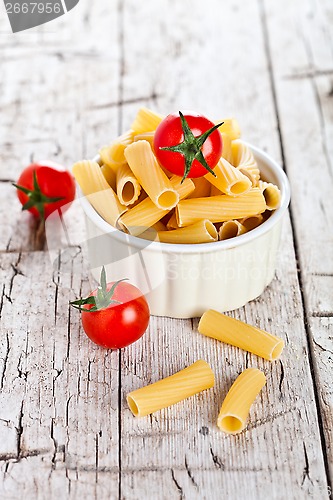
point(144, 166)
point(202, 188)
point(244, 161)
point(146, 213)
point(96, 189)
point(146, 121)
point(151, 232)
point(113, 155)
point(230, 229)
point(214, 191)
point(231, 127)
point(159, 226)
point(228, 179)
point(227, 150)
point(271, 194)
point(146, 136)
point(172, 222)
point(171, 390)
point(128, 187)
point(110, 176)
point(252, 221)
point(236, 406)
point(234, 332)
point(220, 208)
point(200, 232)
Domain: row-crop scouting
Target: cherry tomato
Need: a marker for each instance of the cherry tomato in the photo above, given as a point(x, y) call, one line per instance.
point(115, 314)
point(189, 152)
point(44, 187)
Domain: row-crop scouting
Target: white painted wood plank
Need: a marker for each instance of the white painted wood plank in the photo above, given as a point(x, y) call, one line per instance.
point(321, 329)
point(233, 484)
point(307, 127)
point(319, 292)
point(316, 18)
point(304, 137)
point(58, 390)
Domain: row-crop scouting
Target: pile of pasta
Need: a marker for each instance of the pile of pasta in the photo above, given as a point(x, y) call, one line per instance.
point(199, 376)
point(131, 191)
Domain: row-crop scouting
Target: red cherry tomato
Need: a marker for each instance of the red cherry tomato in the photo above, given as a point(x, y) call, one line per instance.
point(118, 325)
point(44, 187)
point(170, 132)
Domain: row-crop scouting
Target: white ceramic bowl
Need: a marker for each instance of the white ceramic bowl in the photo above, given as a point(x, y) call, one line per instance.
point(183, 281)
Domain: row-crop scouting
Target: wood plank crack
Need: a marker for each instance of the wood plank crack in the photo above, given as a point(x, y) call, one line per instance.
point(312, 73)
point(216, 459)
point(5, 360)
point(189, 473)
point(5, 457)
point(306, 471)
point(19, 430)
point(179, 488)
point(281, 378)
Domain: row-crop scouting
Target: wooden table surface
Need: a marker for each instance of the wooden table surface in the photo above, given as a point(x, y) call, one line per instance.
point(68, 88)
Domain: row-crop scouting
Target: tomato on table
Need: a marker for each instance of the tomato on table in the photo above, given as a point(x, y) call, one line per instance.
point(43, 188)
point(188, 145)
point(114, 315)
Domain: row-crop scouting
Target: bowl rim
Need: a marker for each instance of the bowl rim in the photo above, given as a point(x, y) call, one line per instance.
point(196, 248)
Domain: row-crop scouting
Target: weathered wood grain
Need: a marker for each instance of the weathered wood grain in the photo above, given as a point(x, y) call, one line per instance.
point(58, 391)
point(59, 412)
point(63, 109)
point(65, 429)
point(306, 132)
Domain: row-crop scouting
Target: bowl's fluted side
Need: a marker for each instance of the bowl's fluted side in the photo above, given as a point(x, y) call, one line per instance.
point(186, 285)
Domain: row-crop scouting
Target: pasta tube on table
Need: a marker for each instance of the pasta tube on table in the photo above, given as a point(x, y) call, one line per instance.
point(96, 189)
point(234, 332)
point(229, 179)
point(146, 121)
point(113, 155)
point(146, 213)
point(171, 390)
point(230, 229)
point(128, 187)
point(220, 208)
point(244, 161)
point(271, 194)
point(236, 406)
point(144, 166)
